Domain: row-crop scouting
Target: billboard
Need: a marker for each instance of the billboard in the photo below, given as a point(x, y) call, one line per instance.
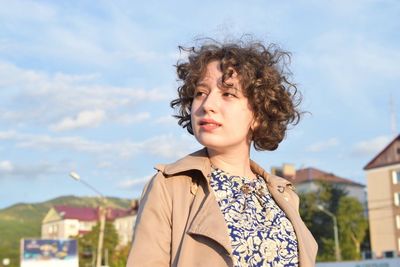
point(49, 253)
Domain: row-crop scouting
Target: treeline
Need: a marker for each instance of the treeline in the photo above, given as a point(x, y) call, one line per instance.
point(352, 222)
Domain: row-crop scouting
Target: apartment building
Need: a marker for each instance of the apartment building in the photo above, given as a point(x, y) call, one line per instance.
point(63, 222)
point(308, 180)
point(383, 188)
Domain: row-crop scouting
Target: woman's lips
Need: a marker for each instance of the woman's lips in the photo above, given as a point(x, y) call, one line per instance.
point(209, 127)
point(209, 124)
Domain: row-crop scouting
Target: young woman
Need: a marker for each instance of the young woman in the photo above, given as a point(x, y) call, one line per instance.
point(216, 207)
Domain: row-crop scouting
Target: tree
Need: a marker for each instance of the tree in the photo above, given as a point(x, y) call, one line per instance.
point(351, 222)
point(120, 256)
point(351, 215)
point(88, 244)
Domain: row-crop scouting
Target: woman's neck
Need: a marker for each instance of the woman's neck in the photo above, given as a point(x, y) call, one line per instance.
point(232, 162)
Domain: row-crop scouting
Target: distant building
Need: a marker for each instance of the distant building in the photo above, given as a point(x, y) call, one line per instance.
point(383, 187)
point(124, 226)
point(308, 179)
point(62, 222)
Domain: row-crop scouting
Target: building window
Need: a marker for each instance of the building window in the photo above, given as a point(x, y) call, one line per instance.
point(396, 177)
point(397, 199)
point(398, 221)
point(398, 244)
point(388, 254)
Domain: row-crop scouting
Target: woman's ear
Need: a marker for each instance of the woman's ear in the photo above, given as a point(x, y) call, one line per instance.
point(254, 124)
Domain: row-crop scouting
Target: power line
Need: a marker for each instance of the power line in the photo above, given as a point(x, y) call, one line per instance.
point(379, 200)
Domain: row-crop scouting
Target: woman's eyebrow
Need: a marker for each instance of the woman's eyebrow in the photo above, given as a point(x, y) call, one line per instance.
point(221, 86)
point(202, 83)
point(227, 88)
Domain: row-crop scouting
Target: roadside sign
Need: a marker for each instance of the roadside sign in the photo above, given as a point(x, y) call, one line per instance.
point(49, 252)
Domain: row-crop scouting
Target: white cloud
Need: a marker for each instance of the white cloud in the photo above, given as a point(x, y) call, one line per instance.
point(372, 146)
point(10, 169)
point(135, 182)
point(350, 67)
point(343, 8)
point(357, 53)
point(167, 146)
point(7, 135)
point(170, 146)
point(82, 39)
point(167, 120)
point(6, 166)
point(27, 11)
point(323, 145)
point(28, 95)
point(85, 119)
point(104, 164)
point(131, 119)
point(46, 142)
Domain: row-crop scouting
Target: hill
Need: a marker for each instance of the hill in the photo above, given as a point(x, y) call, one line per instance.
point(23, 220)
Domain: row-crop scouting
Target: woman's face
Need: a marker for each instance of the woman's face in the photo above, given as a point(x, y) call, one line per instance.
point(221, 116)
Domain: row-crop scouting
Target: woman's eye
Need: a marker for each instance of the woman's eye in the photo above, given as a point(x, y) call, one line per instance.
point(199, 93)
point(228, 94)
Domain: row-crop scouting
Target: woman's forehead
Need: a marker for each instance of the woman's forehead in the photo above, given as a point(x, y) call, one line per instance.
point(213, 72)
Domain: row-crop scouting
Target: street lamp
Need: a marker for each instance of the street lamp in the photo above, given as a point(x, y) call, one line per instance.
point(102, 212)
point(335, 231)
point(6, 261)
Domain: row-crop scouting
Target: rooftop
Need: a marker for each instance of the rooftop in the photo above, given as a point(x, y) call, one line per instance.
point(313, 174)
point(389, 155)
point(89, 214)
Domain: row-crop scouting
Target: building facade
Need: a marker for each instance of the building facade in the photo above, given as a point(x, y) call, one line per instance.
point(383, 187)
point(63, 222)
point(308, 180)
point(124, 226)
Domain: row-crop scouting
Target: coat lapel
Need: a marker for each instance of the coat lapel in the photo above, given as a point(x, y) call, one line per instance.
point(205, 216)
point(210, 222)
point(207, 219)
point(288, 201)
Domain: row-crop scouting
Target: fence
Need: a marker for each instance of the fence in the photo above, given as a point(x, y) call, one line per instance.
point(394, 262)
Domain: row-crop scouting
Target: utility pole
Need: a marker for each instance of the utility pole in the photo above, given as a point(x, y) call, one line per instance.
point(335, 232)
point(102, 216)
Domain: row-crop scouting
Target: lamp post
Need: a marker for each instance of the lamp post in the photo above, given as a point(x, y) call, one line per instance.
point(335, 231)
point(6, 261)
point(102, 214)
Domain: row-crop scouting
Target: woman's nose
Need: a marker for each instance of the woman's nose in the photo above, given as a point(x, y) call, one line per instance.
point(210, 103)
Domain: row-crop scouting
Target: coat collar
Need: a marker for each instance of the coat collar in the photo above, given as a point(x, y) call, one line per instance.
point(199, 161)
point(209, 220)
point(196, 161)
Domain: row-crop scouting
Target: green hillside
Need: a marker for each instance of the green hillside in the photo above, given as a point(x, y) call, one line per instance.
point(23, 220)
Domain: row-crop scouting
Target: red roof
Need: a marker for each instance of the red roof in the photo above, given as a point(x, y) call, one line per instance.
point(89, 214)
point(387, 156)
point(112, 214)
point(313, 174)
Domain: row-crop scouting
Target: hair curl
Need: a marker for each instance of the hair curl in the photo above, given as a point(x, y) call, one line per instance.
point(263, 74)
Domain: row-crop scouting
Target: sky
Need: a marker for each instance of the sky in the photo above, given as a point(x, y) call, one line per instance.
point(85, 86)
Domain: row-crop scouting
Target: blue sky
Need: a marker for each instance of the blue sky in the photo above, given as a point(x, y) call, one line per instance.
point(85, 86)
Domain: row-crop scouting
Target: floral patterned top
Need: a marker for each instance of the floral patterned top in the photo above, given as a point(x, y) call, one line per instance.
point(260, 232)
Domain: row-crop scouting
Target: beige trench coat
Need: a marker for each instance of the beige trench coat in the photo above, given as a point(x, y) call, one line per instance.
point(180, 224)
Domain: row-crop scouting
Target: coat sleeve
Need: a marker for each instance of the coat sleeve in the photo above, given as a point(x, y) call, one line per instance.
point(151, 244)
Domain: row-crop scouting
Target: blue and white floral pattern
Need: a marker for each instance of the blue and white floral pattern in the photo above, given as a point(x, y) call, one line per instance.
point(260, 232)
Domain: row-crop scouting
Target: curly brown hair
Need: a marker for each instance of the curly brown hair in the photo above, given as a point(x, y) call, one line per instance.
point(263, 74)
